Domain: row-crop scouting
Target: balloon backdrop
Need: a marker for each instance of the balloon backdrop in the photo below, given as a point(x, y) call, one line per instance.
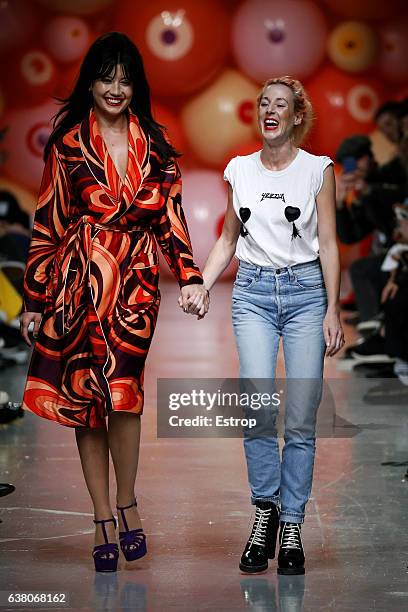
point(393, 61)
point(67, 38)
point(2, 103)
point(28, 132)
point(274, 37)
point(245, 148)
point(205, 61)
point(221, 117)
point(204, 201)
point(18, 21)
point(183, 42)
point(76, 7)
point(171, 122)
point(30, 78)
point(343, 104)
point(365, 9)
point(353, 46)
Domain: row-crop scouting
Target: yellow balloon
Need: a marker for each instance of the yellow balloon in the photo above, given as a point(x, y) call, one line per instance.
point(353, 46)
point(76, 7)
point(220, 117)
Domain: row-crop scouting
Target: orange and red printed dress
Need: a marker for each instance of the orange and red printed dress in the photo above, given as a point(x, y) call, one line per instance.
point(93, 273)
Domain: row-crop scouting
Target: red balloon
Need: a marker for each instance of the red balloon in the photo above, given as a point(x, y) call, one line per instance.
point(393, 60)
point(172, 124)
point(31, 77)
point(365, 9)
point(344, 105)
point(18, 20)
point(245, 148)
point(66, 81)
point(184, 43)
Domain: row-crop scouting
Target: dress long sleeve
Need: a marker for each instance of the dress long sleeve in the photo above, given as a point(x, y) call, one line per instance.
point(49, 225)
point(172, 234)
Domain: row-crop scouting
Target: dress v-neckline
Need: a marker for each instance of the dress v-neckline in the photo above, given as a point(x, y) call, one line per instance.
point(100, 162)
point(105, 146)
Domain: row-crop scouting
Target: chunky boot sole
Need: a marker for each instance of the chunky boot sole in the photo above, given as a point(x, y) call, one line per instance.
point(253, 569)
point(291, 571)
point(270, 550)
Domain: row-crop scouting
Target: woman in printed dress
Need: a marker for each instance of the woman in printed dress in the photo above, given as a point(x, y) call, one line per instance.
point(111, 189)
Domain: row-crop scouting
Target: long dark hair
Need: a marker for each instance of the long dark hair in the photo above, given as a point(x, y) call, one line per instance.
point(102, 57)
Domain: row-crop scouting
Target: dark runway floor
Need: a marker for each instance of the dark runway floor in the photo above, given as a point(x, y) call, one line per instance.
point(194, 502)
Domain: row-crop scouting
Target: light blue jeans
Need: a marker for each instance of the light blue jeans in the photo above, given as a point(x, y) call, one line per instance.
point(291, 303)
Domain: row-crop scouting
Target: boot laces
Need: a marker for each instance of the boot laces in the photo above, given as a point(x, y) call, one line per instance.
point(291, 538)
point(258, 535)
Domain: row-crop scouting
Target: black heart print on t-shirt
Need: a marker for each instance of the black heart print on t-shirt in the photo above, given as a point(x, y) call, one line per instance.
point(244, 213)
point(292, 213)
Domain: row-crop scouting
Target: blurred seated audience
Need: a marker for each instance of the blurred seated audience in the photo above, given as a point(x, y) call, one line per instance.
point(15, 230)
point(395, 304)
point(365, 197)
point(14, 242)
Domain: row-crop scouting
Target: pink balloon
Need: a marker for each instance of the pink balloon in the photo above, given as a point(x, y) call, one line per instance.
point(204, 202)
point(67, 38)
point(393, 60)
point(24, 143)
point(275, 37)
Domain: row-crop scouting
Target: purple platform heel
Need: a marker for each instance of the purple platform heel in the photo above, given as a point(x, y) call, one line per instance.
point(106, 555)
point(132, 543)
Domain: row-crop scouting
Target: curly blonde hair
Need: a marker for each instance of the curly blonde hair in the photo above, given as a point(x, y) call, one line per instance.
point(302, 105)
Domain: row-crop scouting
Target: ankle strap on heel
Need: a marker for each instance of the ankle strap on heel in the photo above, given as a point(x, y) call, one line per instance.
point(102, 522)
point(121, 510)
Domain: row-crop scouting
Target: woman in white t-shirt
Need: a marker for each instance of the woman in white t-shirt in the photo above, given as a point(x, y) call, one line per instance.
point(280, 223)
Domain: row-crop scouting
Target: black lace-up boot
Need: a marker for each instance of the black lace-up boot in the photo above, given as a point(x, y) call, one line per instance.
point(291, 558)
point(262, 541)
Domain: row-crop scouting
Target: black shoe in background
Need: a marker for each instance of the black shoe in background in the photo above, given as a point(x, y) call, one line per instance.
point(10, 411)
point(372, 350)
point(6, 489)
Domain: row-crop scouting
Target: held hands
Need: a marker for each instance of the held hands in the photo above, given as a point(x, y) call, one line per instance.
point(195, 300)
point(25, 319)
point(333, 333)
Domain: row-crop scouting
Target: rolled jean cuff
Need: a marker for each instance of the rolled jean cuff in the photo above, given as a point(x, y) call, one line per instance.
point(291, 517)
point(274, 498)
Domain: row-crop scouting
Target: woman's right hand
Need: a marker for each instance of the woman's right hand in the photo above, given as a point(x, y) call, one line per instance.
point(25, 319)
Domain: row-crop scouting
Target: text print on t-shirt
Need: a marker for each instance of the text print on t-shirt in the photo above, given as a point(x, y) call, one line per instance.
point(273, 196)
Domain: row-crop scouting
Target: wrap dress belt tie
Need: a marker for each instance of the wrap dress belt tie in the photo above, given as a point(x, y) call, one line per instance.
point(72, 274)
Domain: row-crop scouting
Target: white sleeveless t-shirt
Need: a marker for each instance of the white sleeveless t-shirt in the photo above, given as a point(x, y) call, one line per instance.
point(277, 209)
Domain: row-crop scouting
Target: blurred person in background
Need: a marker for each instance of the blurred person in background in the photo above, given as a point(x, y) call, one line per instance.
point(395, 304)
point(111, 188)
point(280, 224)
point(14, 228)
point(366, 194)
point(14, 241)
point(385, 139)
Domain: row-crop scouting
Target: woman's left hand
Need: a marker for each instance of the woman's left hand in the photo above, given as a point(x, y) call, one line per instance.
point(333, 332)
point(195, 300)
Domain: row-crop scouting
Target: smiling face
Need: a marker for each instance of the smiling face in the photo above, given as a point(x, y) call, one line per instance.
point(112, 93)
point(276, 114)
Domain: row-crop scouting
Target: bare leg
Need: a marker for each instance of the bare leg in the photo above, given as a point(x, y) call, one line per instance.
point(124, 441)
point(94, 453)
